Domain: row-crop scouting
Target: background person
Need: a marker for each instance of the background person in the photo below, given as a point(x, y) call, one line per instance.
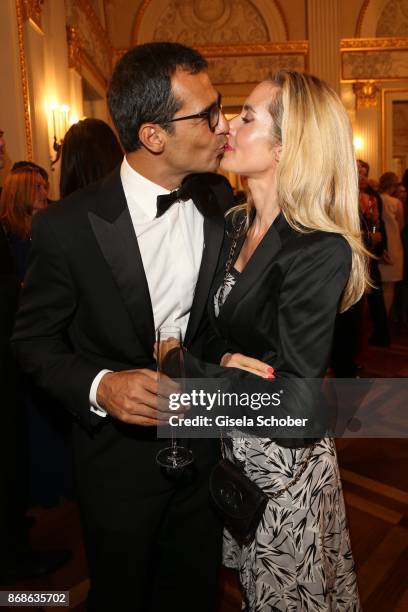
point(23, 194)
point(400, 312)
point(90, 151)
point(40, 169)
point(391, 269)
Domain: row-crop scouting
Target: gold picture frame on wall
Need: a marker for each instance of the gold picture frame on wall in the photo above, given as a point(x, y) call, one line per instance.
point(388, 97)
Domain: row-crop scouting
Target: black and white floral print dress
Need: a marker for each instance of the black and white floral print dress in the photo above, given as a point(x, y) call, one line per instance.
point(300, 559)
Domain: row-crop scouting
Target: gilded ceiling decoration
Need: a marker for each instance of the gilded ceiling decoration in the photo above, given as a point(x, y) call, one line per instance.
point(31, 9)
point(199, 22)
point(251, 69)
point(375, 65)
point(87, 33)
point(393, 20)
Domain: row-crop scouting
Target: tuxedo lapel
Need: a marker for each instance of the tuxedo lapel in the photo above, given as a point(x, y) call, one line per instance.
point(262, 257)
point(112, 225)
point(213, 236)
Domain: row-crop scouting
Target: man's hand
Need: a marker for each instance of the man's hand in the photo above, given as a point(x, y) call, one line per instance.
point(249, 364)
point(132, 397)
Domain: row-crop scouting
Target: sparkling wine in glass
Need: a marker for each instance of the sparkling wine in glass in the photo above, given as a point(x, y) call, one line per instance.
point(170, 363)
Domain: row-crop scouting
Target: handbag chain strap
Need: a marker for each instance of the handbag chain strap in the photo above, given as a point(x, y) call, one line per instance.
point(297, 476)
point(228, 265)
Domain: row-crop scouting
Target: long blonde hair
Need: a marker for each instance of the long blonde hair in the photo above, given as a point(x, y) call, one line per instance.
point(317, 178)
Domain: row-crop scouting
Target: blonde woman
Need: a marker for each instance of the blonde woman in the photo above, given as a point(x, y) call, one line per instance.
point(294, 259)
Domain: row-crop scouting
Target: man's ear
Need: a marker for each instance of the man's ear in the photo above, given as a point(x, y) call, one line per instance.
point(153, 137)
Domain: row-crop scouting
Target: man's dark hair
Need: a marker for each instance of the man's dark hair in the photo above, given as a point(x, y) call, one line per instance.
point(28, 164)
point(89, 152)
point(140, 88)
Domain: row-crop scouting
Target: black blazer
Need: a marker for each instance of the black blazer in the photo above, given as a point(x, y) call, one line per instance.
point(86, 304)
point(282, 311)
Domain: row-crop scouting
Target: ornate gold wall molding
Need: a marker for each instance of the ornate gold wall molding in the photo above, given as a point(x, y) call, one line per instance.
point(88, 41)
point(293, 47)
point(199, 22)
point(373, 44)
point(382, 18)
point(94, 20)
point(24, 78)
point(299, 47)
point(141, 14)
point(78, 57)
point(393, 19)
point(384, 127)
point(239, 64)
point(366, 94)
point(361, 16)
point(31, 9)
point(382, 59)
point(228, 70)
point(74, 49)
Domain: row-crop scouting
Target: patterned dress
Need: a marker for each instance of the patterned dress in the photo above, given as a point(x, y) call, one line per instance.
point(300, 559)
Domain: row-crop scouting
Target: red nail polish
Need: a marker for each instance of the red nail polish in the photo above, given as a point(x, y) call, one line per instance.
point(271, 377)
point(271, 370)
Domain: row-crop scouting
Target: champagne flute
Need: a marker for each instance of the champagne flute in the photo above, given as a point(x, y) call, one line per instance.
point(170, 363)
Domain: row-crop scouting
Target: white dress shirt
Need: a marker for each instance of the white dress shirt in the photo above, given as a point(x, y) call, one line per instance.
point(171, 248)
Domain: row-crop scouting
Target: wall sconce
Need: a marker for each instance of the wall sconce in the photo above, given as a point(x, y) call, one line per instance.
point(358, 143)
point(60, 124)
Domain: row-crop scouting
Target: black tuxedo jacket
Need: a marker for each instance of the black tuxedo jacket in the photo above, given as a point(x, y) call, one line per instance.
point(282, 311)
point(86, 304)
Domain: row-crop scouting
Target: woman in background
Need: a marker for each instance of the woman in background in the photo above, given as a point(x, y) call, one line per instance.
point(393, 214)
point(401, 298)
point(89, 152)
point(24, 194)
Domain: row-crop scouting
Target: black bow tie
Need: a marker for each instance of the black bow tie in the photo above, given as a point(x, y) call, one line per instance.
point(165, 201)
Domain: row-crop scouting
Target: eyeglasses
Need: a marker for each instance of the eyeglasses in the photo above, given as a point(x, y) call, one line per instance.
point(212, 114)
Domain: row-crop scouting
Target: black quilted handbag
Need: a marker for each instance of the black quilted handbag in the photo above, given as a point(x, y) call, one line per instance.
point(238, 499)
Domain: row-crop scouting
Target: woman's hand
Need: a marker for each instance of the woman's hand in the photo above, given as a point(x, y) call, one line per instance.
point(249, 364)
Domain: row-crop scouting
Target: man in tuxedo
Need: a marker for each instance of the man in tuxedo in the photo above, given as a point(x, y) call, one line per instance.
point(109, 266)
